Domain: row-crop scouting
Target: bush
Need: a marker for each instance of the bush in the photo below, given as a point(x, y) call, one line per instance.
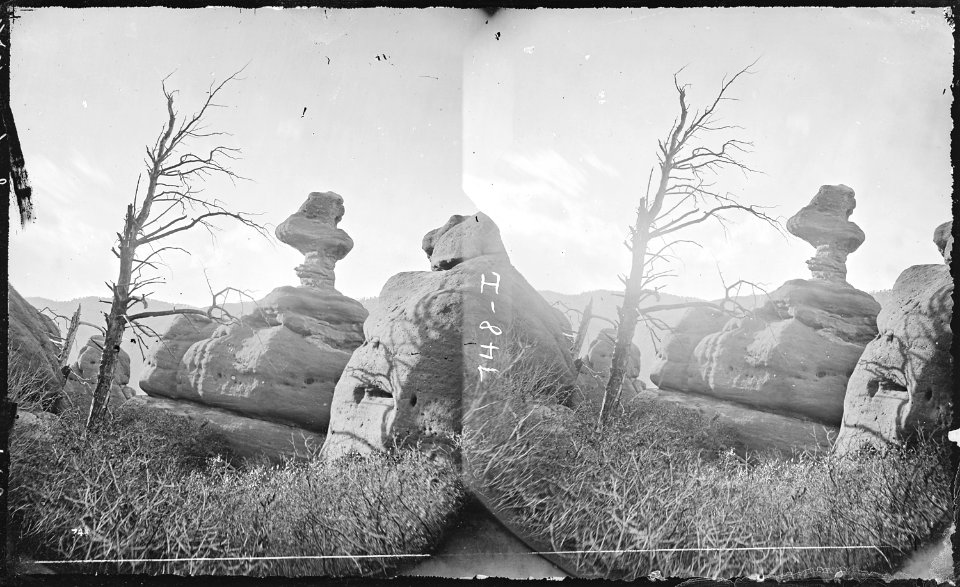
point(659, 479)
point(146, 487)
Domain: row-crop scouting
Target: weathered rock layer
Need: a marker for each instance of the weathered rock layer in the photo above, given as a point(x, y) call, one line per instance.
point(282, 359)
point(903, 383)
point(31, 350)
point(794, 355)
point(438, 340)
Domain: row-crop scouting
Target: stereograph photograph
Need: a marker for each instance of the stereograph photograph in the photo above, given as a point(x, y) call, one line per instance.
point(636, 293)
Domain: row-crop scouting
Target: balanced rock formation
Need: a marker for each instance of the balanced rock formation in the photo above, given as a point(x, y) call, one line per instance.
point(440, 341)
point(32, 354)
point(825, 224)
point(793, 355)
point(903, 384)
point(281, 360)
point(597, 363)
point(85, 370)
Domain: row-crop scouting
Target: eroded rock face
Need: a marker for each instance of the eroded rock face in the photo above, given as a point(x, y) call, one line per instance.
point(313, 231)
point(824, 224)
point(85, 370)
point(281, 361)
point(596, 369)
point(943, 238)
point(794, 355)
point(422, 363)
point(903, 384)
point(245, 437)
point(31, 350)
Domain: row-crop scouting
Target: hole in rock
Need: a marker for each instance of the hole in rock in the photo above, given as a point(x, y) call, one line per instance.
point(369, 391)
point(928, 394)
point(309, 380)
point(872, 386)
point(888, 385)
point(413, 400)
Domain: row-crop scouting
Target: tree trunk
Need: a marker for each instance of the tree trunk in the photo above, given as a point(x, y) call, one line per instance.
point(116, 324)
point(629, 313)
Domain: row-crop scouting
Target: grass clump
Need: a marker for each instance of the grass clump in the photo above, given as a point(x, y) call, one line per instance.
point(147, 487)
point(659, 478)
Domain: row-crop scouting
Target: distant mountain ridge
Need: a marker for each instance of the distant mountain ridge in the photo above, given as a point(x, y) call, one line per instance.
point(605, 303)
point(93, 311)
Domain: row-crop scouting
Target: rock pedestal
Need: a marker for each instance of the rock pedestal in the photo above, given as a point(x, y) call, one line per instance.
point(794, 355)
point(281, 360)
point(903, 383)
point(439, 340)
point(824, 224)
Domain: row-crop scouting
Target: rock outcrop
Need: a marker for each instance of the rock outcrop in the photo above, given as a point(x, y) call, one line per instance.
point(903, 383)
point(84, 372)
point(282, 359)
point(32, 354)
point(794, 355)
point(943, 238)
point(825, 224)
point(596, 369)
point(439, 339)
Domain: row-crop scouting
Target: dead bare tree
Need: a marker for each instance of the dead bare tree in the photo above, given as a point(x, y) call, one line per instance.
point(170, 204)
point(683, 198)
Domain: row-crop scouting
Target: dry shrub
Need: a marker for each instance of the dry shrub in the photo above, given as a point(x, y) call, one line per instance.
point(659, 479)
point(146, 487)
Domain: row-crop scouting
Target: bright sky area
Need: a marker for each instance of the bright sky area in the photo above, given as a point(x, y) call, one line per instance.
point(545, 120)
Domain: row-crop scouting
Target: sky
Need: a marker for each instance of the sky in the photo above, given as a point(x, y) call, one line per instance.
point(546, 120)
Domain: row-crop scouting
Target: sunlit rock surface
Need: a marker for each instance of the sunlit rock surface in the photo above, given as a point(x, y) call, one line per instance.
point(281, 360)
point(31, 350)
point(434, 335)
point(793, 355)
point(903, 384)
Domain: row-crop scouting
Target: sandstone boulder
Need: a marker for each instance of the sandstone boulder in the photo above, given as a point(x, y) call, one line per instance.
point(824, 224)
point(943, 238)
point(596, 369)
point(462, 238)
point(245, 437)
point(32, 354)
point(163, 375)
point(85, 370)
point(439, 340)
point(281, 360)
point(903, 383)
point(673, 368)
point(756, 430)
point(313, 231)
point(793, 355)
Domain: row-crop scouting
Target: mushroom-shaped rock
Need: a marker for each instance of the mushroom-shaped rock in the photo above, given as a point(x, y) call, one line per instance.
point(794, 355)
point(943, 238)
point(281, 360)
point(824, 224)
point(313, 231)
